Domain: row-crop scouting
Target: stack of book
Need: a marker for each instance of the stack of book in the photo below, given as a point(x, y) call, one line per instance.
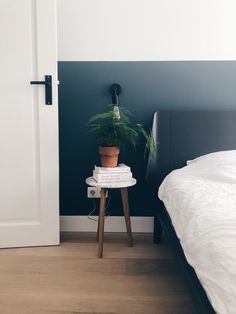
point(120, 173)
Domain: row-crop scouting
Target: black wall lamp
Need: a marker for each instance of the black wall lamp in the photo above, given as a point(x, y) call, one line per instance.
point(115, 90)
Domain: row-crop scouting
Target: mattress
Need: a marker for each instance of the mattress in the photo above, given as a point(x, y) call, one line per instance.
point(201, 201)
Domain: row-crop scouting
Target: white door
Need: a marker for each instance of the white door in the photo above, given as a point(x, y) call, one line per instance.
point(29, 214)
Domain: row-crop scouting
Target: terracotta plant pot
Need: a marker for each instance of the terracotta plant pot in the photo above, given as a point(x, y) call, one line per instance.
point(109, 156)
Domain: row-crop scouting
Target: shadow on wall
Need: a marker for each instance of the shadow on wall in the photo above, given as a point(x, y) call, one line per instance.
point(146, 87)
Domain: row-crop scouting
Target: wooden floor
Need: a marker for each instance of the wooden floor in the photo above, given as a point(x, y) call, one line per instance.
point(67, 279)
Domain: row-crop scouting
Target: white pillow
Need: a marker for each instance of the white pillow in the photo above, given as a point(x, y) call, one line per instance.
point(225, 156)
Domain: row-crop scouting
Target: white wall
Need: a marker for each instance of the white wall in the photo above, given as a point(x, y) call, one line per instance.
point(103, 30)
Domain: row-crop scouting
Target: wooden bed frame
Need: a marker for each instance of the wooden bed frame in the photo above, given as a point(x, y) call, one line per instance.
point(182, 136)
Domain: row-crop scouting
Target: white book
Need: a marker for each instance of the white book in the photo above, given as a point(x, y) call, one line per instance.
point(112, 177)
point(119, 168)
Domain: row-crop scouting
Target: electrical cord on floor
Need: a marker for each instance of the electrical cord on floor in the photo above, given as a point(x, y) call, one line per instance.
point(107, 213)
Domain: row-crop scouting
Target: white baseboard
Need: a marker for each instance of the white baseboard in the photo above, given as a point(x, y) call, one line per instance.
point(112, 224)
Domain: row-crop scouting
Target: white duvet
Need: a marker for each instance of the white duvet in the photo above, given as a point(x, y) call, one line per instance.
point(201, 201)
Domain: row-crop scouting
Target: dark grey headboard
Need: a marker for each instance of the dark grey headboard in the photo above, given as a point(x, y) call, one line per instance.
point(184, 135)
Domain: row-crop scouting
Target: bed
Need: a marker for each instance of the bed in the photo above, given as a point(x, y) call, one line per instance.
point(199, 215)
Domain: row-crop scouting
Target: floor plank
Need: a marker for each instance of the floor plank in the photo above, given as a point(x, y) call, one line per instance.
point(66, 279)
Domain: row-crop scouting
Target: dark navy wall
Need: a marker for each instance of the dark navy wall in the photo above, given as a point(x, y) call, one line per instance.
point(147, 86)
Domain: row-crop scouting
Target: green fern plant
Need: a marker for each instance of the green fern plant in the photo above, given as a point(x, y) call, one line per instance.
point(111, 129)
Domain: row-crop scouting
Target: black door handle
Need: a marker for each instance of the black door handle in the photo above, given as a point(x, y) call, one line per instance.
point(48, 88)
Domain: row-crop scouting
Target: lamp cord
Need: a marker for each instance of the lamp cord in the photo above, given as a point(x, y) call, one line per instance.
point(107, 213)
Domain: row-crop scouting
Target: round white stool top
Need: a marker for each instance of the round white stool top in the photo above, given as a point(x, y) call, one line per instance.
point(114, 185)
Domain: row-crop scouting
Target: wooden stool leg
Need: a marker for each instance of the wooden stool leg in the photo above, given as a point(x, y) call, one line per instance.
point(98, 226)
point(125, 202)
point(101, 222)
